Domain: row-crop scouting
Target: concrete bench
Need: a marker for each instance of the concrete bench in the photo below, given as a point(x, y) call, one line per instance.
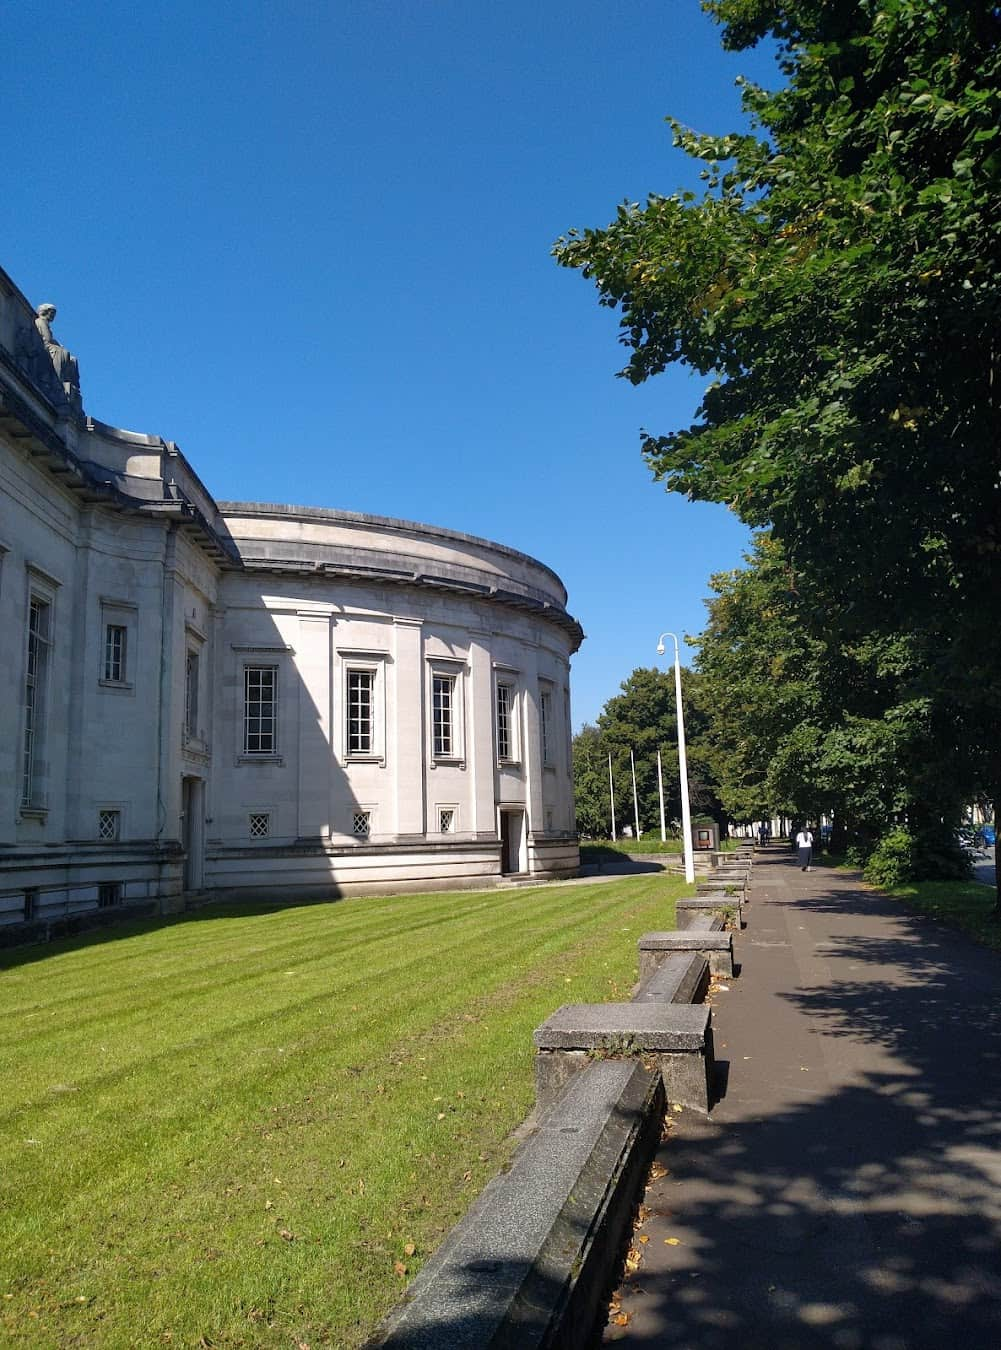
point(720, 885)
point(675, 1038)
point(657, 948)
point(679, 977)
point(527, 1268)
point(717, 903)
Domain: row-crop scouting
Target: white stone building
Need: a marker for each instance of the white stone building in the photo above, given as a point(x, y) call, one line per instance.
point(205, 698)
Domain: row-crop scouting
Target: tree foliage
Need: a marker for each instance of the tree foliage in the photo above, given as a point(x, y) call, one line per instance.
point(806, 724)
point(838, 282)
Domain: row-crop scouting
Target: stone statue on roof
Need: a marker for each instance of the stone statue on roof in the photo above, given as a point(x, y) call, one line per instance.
point(64, 363)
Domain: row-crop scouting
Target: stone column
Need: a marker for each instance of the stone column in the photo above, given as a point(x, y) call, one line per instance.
point(532, 753)
point(405, 748)
point(480, 752)
point(312, 665)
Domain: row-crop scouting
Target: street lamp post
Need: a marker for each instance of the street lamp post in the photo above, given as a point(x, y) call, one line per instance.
point(686, 810)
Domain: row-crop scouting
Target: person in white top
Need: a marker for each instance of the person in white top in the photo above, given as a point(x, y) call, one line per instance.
point(804, 844)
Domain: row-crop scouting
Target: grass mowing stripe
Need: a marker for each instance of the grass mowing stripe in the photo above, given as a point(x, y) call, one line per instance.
point(202, 985)
point(162, 1224)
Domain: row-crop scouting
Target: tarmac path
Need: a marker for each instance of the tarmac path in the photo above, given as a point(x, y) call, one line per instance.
point(846, 1190)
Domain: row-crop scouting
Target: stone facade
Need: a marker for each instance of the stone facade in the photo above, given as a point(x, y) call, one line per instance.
point(205, 698)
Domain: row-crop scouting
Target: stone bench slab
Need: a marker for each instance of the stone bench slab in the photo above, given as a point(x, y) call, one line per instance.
point(678, 977)
point(716, 947)
point(676, 1038)
point(686, 909)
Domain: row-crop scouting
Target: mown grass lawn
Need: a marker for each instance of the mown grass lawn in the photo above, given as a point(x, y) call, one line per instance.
point(249, 1126)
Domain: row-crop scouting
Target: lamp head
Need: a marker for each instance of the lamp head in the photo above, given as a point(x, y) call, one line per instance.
point(660, 647)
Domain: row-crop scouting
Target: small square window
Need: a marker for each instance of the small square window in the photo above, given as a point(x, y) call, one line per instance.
point(109, 894)
point(260, 824)
point(446, 820)
point(361, 824)
point(109, 825)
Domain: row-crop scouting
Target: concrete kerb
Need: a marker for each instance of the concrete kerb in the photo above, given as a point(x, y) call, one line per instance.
point(534, 1259)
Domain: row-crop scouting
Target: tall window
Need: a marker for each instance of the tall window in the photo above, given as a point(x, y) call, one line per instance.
point(36, 673)
point(115, 637)
point(505, 711)
point(191, 694)
point(260, 710)
point(545, 722)
point(443, 716)
point(361, 724)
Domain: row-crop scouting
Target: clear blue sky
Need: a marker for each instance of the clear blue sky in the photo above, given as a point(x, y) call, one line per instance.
point(310, 243)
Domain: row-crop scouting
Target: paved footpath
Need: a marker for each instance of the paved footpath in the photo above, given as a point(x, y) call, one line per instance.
point(846, 1190)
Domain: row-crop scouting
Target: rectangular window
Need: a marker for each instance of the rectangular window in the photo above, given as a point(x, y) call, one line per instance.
point(36, 675)
point(443, 716)
point(505, 712)
point(545, 722)
point(109, 825)
point(109, 894)
point(260, 710)
point(446, 820)
point(260, 824)
point(115, 641)
point(361, 705)
point(191, 694)
point(30, 904)
point(361, 824)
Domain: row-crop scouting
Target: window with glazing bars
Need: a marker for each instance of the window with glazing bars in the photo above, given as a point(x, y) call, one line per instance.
point(191, 694)
point(442, 715)
point(260, 710)
point(361, 824)
point(545, 720)
point(361, 731)
point(115, 637)
point(39, 642)
point(505, 702)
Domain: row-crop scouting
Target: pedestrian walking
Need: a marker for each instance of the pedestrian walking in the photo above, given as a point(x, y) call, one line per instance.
point(804, 848)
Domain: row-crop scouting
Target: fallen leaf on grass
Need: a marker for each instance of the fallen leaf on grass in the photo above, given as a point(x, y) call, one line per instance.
point(399, 1268)
point(409, 1249)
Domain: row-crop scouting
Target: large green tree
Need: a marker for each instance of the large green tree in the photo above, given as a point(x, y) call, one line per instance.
point(839, 283)
point(802, 723)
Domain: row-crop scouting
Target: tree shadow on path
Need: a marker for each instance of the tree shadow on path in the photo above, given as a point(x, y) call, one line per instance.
point(851, 1195)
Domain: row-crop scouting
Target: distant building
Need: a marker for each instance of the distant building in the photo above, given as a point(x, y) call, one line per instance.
point(203, 698)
